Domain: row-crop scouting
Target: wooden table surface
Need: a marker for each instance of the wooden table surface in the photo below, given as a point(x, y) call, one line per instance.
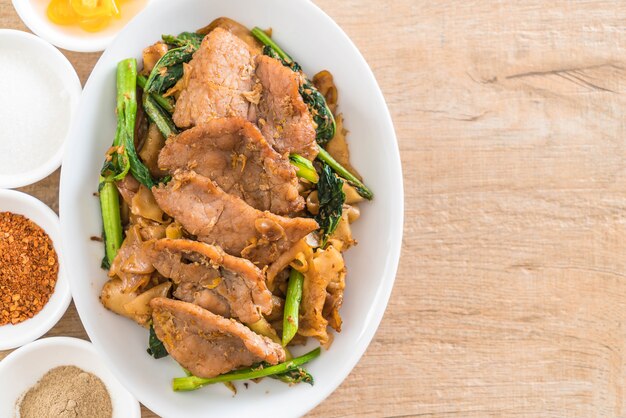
point(510, 299)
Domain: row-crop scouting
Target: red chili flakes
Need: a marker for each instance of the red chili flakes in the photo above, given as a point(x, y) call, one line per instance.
point(29, 268)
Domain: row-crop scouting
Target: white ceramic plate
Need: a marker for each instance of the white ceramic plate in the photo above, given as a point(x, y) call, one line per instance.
point(21, 369)
point(12, 336)
point(312, 38)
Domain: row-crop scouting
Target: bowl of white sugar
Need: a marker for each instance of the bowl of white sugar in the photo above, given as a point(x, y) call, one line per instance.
point(40, 93)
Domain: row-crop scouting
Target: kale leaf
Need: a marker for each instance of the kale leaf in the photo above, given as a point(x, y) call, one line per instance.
point(183, 39)
point(169, 69)
point(293, 376)
point(155, 346)
point(331, 198)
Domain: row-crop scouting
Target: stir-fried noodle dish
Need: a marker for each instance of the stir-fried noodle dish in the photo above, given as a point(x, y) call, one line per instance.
point(227, 200)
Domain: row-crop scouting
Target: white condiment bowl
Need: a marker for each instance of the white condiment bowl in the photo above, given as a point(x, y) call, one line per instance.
point(20, 370)
point(73, 38)
point(12, 336)
point(57, 64)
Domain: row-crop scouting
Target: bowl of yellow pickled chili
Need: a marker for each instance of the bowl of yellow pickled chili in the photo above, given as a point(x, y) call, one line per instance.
point(78, 25)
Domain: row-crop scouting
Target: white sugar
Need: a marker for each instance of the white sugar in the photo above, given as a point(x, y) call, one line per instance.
point(34, 112)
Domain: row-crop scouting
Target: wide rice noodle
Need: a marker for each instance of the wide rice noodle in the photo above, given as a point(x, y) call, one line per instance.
point(283, 261)
point(325, 267)
point(144, 205)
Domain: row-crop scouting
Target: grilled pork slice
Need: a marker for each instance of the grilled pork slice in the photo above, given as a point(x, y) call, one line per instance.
point(217, 218)
point(233, 153)
point(207, 344)
point(205, 275)
point(221, 72)
point(235, 28)
point(282, 115)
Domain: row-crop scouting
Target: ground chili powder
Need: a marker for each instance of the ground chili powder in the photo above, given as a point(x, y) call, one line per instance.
point(29, 268)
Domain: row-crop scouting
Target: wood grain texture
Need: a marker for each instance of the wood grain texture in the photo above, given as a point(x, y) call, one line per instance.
point(510, 299)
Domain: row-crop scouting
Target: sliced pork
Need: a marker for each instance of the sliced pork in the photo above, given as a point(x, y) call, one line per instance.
point(205, 275)
point(217, 218)
point(282, 115)
point(233, 153)
point(221, 72)
point(235, 28)
point(207, 344)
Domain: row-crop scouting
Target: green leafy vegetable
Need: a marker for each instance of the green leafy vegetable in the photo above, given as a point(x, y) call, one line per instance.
point(164, 102)
point(169, 69)
point(361, 188)
point(111, 221)
point(119, 160)
point(267, 41)
point(155, 346)
point(292, 305)
point(158, 116)
point(105, 264)
point(193, 382)
point(166, 72)
point(262, 327)
point(322, 116)
point(304, 168)
point(126, 115)
point(117, 164)
point(293, 376)
point(183, 39)
point(331, 198)
point(271, 52)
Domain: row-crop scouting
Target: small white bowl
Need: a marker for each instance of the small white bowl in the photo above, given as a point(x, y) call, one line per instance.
point(21, 369)
point(12, 336)
point(73, 38)
point(36, 47)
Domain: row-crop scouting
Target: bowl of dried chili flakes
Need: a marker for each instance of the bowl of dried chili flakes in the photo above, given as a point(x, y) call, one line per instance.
point(34, 293)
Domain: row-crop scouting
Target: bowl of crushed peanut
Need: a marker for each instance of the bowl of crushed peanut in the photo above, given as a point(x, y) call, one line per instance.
point(34, 293)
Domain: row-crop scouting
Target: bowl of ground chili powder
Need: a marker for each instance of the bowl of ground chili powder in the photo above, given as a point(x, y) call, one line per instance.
point(34, 293)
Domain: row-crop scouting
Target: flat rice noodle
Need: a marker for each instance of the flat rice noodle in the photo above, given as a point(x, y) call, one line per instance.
point(133, 305)
point(282, 262)
point(324, 83)
point(144, 205)
point(337, 147)
point(325, 267)
point(149, 152)
point(131, 265)
point(342, 238)
point(140, 307)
